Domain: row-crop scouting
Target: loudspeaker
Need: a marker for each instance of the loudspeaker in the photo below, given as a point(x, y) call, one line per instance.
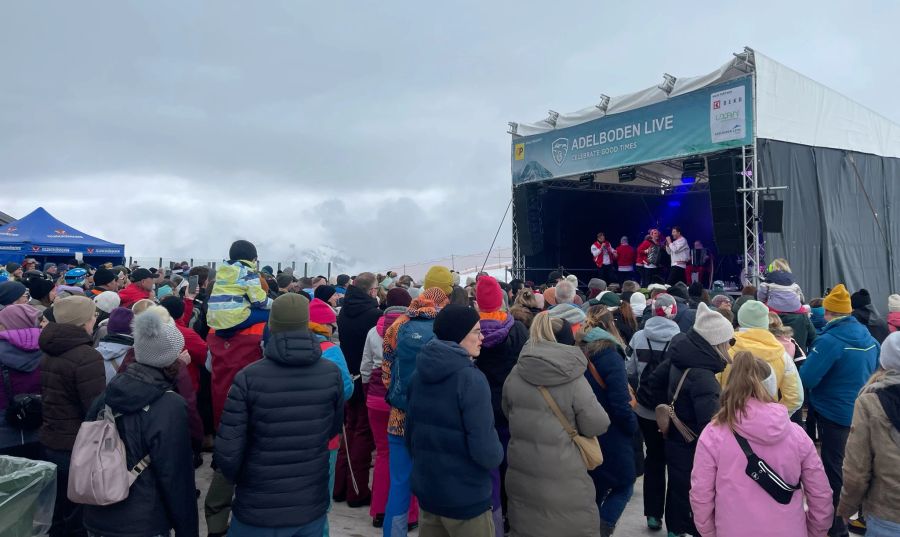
point(529, 219)
point(772, 216)
point(725, 202)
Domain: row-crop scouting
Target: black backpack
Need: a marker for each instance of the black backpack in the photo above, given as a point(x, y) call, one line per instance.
point(644, 397)
point(25, 412)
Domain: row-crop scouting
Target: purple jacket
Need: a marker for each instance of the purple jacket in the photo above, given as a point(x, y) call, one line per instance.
point(20, 354)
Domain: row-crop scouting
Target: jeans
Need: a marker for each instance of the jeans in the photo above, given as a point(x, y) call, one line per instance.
point(67, 516)
point(654, 469)
point(396, 513)
point(312, 529)
point(877, 527)
point(611, 497)
point(358, 437)
point(332, 460)
point(834, 440)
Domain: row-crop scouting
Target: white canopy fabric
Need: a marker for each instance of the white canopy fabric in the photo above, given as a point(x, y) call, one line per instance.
point(790, 107)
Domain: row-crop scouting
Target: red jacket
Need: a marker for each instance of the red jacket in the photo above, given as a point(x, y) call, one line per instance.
point(228, 357)
point(194, 344)
point(132, 294)
point(625, 255)
point(598, 259)
point(642, 252)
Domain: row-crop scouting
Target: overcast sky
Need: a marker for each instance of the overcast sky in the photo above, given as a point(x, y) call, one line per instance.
point(377, 129)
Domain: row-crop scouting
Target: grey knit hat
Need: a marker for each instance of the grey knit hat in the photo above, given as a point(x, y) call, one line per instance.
point(156, 343)
point(712, 326)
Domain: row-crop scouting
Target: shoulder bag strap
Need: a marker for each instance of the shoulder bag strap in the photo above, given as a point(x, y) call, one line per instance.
point(7, 383)
point(596, 375)
point(745, 446)
point(559, 415)
point(680, 384)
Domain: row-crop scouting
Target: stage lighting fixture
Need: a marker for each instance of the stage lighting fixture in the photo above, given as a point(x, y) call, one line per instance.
point(693, 165)
point(668, 84)
point(674, 204)
point(604, 103)
point(513, 128)
point(551, 119)
point(627, 175)
point(688, 178)
point(586, 178)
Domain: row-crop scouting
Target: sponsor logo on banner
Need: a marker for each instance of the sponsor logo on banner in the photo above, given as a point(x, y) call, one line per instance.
point(560, 149)
point(727, 115)
point(520, 151)
point(11, 248)
point(63, 234)
point(90, 250)
point(35, 248)
point(10, 232)
point(103, 251)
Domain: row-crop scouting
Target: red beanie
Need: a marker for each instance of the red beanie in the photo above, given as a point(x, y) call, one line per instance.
point(488, 294)
point(321, 313)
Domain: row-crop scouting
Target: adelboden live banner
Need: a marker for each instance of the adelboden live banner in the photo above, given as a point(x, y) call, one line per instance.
point(708, 119)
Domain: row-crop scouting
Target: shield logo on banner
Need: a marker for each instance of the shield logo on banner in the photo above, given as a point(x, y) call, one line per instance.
point(560, 149)
point(90, 250)
point(35, 248)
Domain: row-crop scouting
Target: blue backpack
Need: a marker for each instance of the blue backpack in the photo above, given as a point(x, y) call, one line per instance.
point(412, 336)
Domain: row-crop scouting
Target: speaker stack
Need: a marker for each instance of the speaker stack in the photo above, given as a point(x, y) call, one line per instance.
point(727, 213)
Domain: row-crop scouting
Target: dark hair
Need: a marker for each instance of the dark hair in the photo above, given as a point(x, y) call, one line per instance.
point(242, 249)
point(816, 303)
point(459, 296)
point(677, 228)
point(202, 274)
point(343, 280)
point(748, 290)
point(174, 305)
point(628, 315)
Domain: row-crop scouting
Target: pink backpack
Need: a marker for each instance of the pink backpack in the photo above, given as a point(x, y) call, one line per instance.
point(99, 474)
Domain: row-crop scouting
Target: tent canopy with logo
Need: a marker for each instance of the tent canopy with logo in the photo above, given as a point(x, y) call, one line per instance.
point(41, 236)
point(775, 127)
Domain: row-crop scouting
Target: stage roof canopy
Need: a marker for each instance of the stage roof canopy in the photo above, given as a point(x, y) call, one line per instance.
point(40, 234)
point(631, 130)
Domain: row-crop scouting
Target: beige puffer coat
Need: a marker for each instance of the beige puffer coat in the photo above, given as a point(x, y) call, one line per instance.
point(549, 489)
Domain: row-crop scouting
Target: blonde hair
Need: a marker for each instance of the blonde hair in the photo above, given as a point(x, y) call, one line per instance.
point(544, 327)
point(142, 305)
point(779, 264)
point(776, 326)
point(599, 316)
point(745, 382)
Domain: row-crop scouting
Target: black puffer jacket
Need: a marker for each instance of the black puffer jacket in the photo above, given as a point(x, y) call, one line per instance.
point(273, 438)
point(72, 376)
point(873, 322)
point(698, 400)
point(497, 360)
point(153, 421)
point(358, 315)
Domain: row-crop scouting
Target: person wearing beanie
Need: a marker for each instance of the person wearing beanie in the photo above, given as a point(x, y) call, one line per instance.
point(440, 277)
point(595, 287)
point(14, 270)
point(104, 280)
point(397, 302)
point(195, 346)
point(697, 294)
point(322, 320)
point(893, 318)
point(105, 303)
point(504, 338)
point(20, 359)
point(72, 377)
point(843, 358)
point(292, 387)
point(450, 428)
point(402, 342)
point(140, 288)
point(754, 337)
point(638, 303)
point(549, 492)
point(646, 351)
point(359, 314)
point(42, 291)
point(117, 342)
point(865, 313)
point(13, 292)
point(327, 294)
point(698, 356)
point(153, 421)
point(871, 466)
point(238, 300)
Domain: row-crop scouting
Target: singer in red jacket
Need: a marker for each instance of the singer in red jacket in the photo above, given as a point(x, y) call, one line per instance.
point(604, 257)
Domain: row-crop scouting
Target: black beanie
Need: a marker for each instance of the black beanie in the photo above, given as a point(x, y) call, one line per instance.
point(104, 276)
point(174, 305)
point(242, 250)
point(455, 322)
point(324, 292)
point(695, 290)
point(679, 290)
point(860, 299)
point(39, 287)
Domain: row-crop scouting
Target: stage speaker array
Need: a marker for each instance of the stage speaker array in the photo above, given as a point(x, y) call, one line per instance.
point(725, 201)
point(772, 216)
point(529, 219)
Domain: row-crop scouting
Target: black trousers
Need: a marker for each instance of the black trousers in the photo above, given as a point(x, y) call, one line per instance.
point(834, 441)
point(676, 274)
point(67, 516)
point(679, 463)
point(654, 469)
point(608, 274)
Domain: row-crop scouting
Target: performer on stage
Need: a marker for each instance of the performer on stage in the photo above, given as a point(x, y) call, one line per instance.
point(604, 255)
point(700, 265)
point(679, 251)
point(648, 257)
point(625, 260)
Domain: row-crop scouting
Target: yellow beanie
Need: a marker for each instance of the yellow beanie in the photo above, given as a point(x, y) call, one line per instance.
point(838, 300)
point(440, 277)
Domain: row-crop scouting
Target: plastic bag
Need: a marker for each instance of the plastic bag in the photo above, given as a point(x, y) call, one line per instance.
point(27, 496)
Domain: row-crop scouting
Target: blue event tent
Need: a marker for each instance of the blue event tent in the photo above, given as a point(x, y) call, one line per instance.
point(42, 236)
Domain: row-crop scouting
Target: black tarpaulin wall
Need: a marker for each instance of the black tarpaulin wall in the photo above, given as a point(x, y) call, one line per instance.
point(830, 232)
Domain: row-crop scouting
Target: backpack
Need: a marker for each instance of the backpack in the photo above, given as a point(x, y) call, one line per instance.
point(644, 397)
point(99, 473)
point(24, 412)
point(411, 337)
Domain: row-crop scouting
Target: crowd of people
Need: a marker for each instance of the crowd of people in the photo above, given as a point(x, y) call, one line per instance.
point(464, 409)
